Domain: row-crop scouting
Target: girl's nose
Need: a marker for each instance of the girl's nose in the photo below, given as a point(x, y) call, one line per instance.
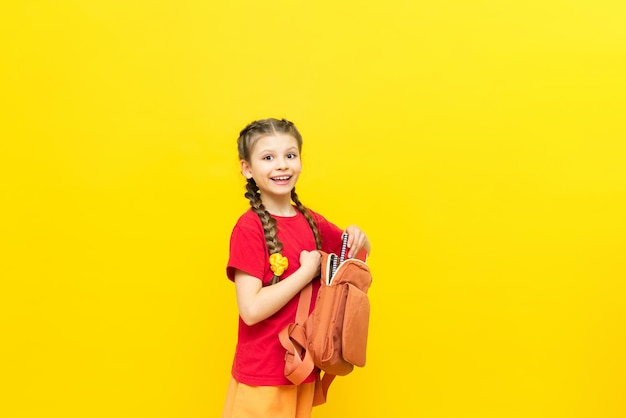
point(281, 162)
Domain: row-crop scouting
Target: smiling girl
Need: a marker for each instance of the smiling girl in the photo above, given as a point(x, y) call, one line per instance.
point(273, 255)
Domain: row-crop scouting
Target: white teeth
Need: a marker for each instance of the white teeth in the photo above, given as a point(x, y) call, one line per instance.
point(282, 178)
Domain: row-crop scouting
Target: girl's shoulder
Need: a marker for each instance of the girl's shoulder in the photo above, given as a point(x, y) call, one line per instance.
point(248, 220)
point(317, 216)
point(325, 226)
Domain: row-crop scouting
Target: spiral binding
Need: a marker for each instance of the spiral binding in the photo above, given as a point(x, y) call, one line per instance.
point(342, 257)
point(344, 247)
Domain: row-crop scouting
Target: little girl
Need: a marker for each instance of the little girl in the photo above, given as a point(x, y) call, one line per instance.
point(273, 255)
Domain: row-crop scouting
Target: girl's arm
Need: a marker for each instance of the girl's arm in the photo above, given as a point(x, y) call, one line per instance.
point(257, 302)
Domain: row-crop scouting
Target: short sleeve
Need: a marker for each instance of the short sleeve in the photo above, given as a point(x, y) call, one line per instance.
point(248, 251)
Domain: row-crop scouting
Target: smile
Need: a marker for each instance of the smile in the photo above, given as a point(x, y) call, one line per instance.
point(281, 178)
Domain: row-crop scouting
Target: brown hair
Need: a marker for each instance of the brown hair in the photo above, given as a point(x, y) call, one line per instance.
point(247, 138)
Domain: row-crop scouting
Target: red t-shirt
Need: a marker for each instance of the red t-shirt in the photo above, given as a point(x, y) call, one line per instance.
point(259, 357)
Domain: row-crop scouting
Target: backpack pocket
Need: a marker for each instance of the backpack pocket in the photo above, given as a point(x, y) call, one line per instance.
point(326, 337)
point(355, 326)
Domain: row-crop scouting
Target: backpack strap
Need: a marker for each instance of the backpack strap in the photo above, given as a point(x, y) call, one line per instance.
point(293, 339)
point(321, 388)
point(298, 366)
point(298, 360)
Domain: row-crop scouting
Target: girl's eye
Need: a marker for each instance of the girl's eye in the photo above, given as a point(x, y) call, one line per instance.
point(268, 157)
point(291, 155)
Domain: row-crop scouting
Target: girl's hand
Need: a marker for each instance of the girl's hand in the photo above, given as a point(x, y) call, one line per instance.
point(357, 240)
point(310, 261)
point(257, 302)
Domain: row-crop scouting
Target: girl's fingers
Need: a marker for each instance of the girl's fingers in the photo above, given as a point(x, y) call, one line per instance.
point(356, 240)
point(355, 245)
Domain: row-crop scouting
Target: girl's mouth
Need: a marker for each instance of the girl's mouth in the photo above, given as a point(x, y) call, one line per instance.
point(281, 180)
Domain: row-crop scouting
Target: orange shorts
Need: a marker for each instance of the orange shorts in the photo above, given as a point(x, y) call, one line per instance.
point(293, 401)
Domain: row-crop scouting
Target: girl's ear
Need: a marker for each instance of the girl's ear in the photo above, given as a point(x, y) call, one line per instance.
point(245, 169)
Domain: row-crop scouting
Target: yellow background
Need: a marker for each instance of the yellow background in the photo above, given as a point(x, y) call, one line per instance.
point(480, 144)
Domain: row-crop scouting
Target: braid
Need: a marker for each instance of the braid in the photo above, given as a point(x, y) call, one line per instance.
point(245, 143)
point(309, 218)
point(269, 224)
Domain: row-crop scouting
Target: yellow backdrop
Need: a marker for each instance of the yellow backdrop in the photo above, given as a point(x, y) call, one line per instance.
point(480, 144)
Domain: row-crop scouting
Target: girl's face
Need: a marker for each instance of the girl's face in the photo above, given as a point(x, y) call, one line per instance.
point(274, 165)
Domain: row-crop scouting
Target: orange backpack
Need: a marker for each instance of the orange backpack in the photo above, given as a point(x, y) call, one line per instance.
point(334, 336)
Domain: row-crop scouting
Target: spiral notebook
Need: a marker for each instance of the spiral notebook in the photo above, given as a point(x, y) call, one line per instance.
point(337, 260)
